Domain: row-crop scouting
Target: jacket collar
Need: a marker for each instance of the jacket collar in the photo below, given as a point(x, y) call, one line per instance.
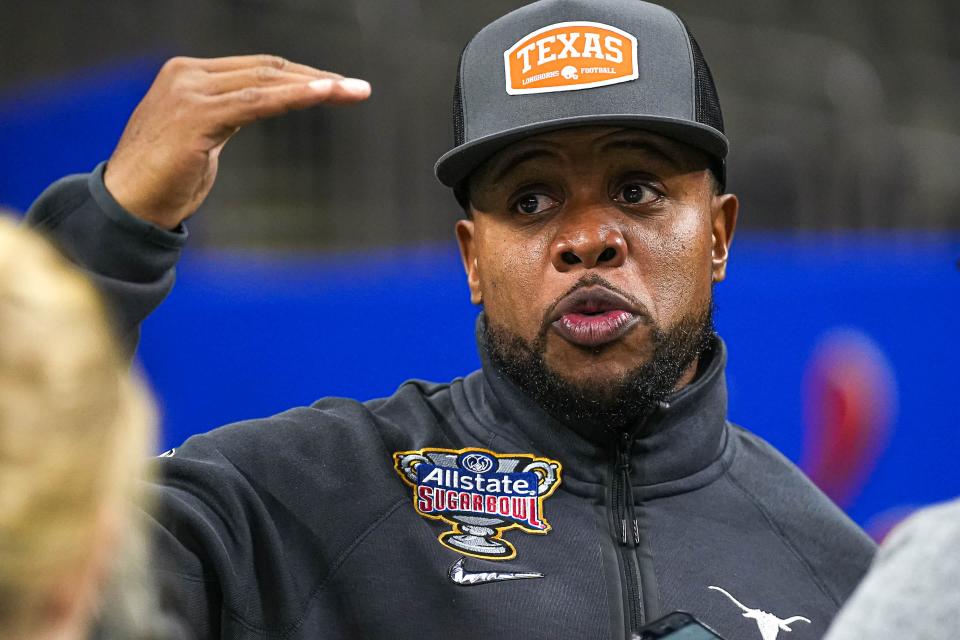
point(681, 438)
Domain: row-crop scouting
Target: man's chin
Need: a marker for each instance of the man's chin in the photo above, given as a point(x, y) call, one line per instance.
point(597, 390)
point(607, 388)
point(594, 378)
point(598, 366)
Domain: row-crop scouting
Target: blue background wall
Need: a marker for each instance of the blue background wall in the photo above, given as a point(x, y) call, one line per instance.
point(246, 335)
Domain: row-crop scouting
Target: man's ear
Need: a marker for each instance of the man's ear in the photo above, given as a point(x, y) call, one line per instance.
point(466, 239)
point(724, 222)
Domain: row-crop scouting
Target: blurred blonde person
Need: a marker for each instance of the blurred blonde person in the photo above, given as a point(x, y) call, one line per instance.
point(76, 429)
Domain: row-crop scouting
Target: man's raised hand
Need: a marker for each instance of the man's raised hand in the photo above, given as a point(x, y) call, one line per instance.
point(166, 161)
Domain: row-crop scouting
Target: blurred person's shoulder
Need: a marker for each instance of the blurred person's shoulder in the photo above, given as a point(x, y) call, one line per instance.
point(925, 544)
point(911, 589)
point(927, 535)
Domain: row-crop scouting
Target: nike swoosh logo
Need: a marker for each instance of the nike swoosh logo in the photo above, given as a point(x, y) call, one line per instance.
point(470, 578)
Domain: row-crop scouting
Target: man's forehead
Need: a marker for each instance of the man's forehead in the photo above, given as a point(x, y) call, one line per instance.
point(593, 140)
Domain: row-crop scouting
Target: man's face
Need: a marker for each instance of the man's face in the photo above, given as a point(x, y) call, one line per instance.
point(587, 242)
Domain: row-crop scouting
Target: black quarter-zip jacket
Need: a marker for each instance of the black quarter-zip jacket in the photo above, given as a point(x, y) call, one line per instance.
point(302, 525)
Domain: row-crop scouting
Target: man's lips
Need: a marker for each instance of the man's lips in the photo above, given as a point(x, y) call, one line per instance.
point(594, 316)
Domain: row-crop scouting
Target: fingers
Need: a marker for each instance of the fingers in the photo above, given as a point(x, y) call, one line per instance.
point(239, 108)
point(342, 90)
point(232, 63)
point(238, 79)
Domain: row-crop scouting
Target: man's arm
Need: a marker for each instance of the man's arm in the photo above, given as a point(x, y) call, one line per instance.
point(123, 223)
point(130, 260)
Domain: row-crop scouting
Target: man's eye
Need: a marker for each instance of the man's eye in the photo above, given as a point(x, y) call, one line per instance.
point(637, 193)
point(534, 203)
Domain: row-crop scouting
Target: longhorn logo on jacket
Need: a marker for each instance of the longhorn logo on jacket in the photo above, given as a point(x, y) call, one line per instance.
point(768, 624)
point(481, 493)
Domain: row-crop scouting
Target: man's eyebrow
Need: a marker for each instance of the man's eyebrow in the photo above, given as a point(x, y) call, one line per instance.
point(648, 148)
point(516, 160)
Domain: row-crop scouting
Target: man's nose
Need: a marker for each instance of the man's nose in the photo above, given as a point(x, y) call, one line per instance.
point(588, 240)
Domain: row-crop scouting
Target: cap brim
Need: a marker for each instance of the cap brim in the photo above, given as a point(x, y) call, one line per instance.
point(458, 163)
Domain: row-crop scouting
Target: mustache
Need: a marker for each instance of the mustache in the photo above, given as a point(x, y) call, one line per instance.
point(591, 280)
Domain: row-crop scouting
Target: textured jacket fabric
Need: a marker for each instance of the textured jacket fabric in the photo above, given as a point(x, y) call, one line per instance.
point(315, 523)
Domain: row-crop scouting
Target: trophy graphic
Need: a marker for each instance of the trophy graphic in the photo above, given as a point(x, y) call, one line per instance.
point(481, 493)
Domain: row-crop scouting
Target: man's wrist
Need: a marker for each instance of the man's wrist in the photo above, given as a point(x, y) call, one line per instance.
point(132, 223)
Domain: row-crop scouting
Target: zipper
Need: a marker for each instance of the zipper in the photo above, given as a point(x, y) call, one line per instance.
point(627, 533)
point(629, 529)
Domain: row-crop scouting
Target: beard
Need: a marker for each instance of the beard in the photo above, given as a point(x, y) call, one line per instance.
point(602, 405)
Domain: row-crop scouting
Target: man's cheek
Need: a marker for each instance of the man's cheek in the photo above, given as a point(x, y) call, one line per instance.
point(677, 283)
point(685, 245)
point(510, 280)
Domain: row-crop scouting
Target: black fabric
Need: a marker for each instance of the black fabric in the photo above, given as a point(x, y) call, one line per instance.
point(458, 117)
point(131, 262)
point(707, 100)
point(460, 191)
point(299, 526)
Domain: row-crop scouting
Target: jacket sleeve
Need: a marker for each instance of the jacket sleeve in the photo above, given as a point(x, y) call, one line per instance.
point(243, 542)
point(130, 260)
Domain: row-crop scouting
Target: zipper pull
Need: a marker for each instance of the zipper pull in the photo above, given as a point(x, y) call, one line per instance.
point(624, 453)
point(626, 537)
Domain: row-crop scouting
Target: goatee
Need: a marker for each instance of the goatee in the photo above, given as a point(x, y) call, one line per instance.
point(602, 407)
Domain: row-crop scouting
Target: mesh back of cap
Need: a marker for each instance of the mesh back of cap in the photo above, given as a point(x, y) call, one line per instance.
point(708, 103)
point(458, 134)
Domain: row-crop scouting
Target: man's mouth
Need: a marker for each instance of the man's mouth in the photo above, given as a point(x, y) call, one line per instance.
point(594, 316)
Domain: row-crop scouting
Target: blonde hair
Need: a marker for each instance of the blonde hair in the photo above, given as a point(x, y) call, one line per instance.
point(76, 426)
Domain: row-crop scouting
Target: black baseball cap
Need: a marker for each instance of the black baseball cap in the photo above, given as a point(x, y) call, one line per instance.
point(556, 64)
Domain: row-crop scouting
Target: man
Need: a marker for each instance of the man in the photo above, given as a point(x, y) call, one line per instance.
point(586, 480)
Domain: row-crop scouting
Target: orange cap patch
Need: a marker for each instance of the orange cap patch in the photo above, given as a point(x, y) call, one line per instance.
point(568, 56)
